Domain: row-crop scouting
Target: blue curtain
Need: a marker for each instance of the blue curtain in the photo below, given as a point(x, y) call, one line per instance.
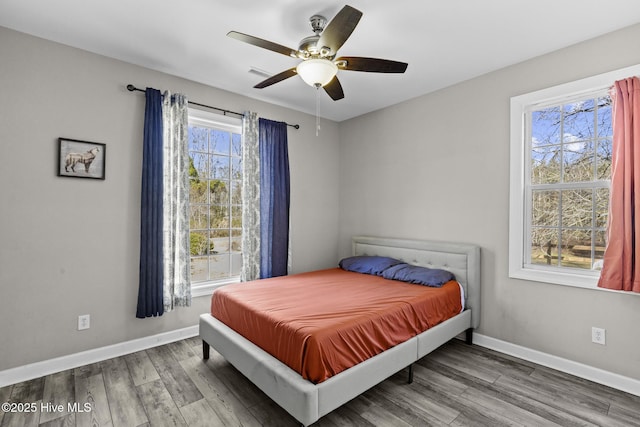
point(274, 198)
point(150, 301)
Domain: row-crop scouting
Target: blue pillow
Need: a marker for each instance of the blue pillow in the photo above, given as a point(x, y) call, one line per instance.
point(418, 275)
point(368, 264)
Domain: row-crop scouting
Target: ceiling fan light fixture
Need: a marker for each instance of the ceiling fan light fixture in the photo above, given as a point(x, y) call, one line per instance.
point(317, 72)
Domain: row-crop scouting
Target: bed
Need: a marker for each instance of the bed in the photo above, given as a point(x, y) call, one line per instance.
point(307, 401)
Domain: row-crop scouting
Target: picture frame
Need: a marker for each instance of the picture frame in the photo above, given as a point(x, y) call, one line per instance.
point(81, 159)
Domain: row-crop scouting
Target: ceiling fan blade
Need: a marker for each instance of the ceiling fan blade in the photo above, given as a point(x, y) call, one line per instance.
point(334, 89)
point(265, 44)
point(339, 29)
point(373, 65)
point(276, 78)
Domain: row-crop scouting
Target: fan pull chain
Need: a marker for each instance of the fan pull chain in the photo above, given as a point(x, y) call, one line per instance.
point(317, 110)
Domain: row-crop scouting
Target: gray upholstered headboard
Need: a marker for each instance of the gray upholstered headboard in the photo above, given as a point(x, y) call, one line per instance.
point(462, 259)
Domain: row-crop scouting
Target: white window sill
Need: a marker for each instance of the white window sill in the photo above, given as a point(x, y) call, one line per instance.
point(576, 280)
point(206, 288)
point(587, 281)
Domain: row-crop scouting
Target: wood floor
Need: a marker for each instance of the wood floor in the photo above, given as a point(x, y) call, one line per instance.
point(457, 385)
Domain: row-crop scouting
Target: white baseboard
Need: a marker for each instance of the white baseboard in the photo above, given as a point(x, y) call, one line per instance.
point(587, 372)
point(46, 367)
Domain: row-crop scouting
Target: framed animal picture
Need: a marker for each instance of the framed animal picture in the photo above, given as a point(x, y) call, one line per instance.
point(81, 159)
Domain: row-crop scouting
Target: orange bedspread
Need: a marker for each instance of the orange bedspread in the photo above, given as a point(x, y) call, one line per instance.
point(323, 322)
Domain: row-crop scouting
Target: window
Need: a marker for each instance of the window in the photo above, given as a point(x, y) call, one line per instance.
point(560, 172)
point(567, 182)
point(215, 198)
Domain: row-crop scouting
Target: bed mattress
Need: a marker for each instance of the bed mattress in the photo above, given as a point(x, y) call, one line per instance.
point(323, 322)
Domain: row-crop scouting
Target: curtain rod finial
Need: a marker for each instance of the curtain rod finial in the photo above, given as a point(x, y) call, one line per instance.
point(131, 88)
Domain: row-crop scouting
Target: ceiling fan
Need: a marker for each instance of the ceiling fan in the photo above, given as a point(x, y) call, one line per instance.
point(319, 64)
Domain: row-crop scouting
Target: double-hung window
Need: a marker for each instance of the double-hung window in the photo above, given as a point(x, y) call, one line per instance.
point(215, 198)
point(568, 175)
point(561, 145)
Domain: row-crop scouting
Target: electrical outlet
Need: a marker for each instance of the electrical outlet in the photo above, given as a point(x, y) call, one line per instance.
point(84, 322)
point(598, 335)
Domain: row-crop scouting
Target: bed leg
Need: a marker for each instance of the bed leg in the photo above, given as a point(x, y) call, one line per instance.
point(205, 350)
point(410, 379)
point(469, 336)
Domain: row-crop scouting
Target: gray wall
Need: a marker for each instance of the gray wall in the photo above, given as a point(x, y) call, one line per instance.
point(70, 246)
point(437, 167)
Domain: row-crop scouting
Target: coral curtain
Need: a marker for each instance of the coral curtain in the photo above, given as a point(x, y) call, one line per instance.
point(250, 198)
point(164, 239)
point(622, 255)
point(274, 198)
point(150, 302)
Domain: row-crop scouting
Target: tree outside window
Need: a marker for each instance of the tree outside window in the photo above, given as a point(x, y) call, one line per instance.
point(215, 174)
point(568, 182)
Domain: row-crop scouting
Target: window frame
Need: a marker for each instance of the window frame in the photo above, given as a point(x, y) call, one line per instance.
point(519, 168)
point(227, 123)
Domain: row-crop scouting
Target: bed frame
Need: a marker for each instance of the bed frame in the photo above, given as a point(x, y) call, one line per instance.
point(307, 402)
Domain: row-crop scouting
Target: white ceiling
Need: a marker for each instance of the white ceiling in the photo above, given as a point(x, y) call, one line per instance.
point(444, 41)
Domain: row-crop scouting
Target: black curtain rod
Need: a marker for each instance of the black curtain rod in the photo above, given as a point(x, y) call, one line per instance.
point(132, 88)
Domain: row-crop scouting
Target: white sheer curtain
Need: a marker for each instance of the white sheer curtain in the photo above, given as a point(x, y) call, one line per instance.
point(176, 254)
point(250, 198)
